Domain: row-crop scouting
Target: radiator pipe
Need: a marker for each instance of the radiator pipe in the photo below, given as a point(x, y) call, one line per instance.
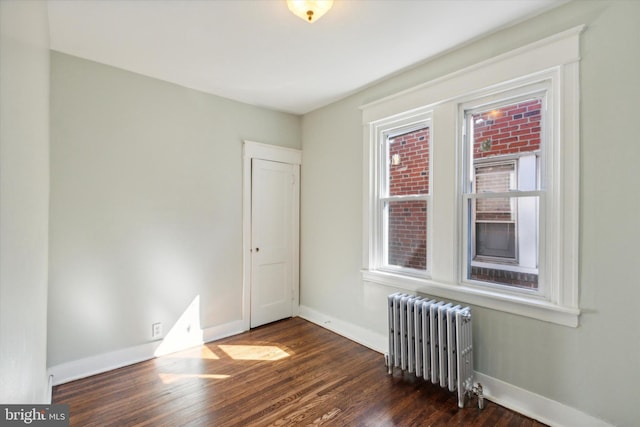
point(387, 361)
point(478, 391)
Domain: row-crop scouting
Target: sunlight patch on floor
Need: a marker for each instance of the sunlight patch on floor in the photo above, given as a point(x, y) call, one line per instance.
point(172, 378)
point(254, 352)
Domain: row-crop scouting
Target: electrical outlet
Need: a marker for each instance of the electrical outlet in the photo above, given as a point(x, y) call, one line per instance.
point(156, 330)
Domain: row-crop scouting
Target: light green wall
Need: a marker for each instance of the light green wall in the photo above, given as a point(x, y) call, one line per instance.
point(24, 200)
point(146, 212)
point(593, 368)
point(146, 205)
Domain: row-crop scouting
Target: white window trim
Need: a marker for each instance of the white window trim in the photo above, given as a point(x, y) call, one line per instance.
point(555, 60)
point(544, 90)
point(375, 253)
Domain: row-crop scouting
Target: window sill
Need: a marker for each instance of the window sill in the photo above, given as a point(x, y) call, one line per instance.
point(521, 305)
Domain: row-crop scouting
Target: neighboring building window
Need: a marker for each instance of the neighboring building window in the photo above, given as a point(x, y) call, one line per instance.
point(494, 219)
point(504, 144)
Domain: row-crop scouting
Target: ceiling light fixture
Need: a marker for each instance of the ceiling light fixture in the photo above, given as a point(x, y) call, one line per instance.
point(309, 10)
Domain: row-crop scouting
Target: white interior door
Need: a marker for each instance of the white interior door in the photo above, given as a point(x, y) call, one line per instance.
point(274, 205)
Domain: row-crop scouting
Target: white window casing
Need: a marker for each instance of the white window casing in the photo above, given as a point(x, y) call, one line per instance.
point(527, 195)
point(384, 131)
point(551, 65)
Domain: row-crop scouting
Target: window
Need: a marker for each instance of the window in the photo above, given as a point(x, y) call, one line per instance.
point(503, 145)
point(402, 197)
point(472, 184)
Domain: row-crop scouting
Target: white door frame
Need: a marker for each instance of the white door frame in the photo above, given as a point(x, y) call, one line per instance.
point(256, 150)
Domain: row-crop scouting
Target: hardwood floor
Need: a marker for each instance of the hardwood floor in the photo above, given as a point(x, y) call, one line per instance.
point(290, 372)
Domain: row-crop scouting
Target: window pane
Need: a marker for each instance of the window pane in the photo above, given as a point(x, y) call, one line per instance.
point(407, 234)
point(504, 151)
point(496, 239)
point(508, 130)
point(495, 228)
point(408, 163)
point(504, 241)
point(495, 178)
point(496, 210)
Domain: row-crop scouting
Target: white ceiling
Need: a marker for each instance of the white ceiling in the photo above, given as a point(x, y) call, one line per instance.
point(257, 52)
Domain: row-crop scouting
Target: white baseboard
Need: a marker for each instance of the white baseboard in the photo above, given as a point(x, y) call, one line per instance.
point(510, 396)
point(82, 368)
point(366, 337)
point(225, 330)
point(534, 405)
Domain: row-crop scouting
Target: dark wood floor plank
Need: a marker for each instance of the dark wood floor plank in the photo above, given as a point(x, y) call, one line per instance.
point(287, 373)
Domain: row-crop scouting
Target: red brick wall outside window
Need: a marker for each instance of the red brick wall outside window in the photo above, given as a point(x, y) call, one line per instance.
point(407, 220)
point(510, 130)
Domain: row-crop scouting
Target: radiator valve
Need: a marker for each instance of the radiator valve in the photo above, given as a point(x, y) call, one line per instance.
point(477, 390)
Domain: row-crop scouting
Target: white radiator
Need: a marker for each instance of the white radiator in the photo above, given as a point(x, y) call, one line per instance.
point(433, 340)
